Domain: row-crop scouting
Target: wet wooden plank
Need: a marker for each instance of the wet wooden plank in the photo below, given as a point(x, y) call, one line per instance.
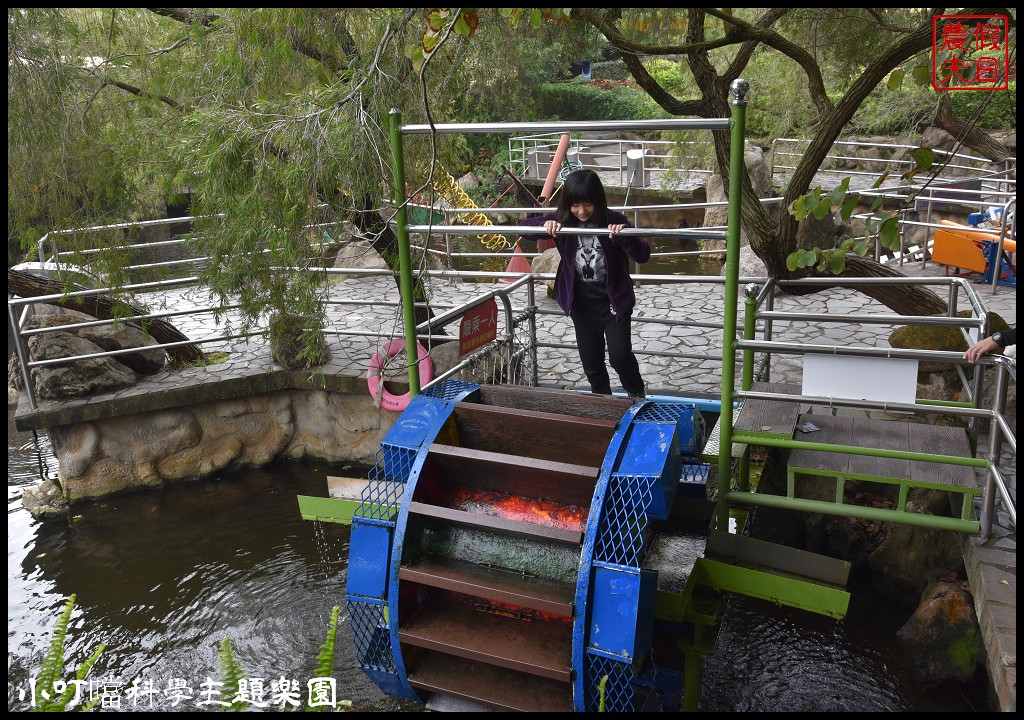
point(833, 430)
point(528, 646)
point(488, 685)
point(770, 417)
point(565, 402)
point(883, 435)
point(346, 488)
point(492, 523)
point(532, 592)
point(941, 440)
point(531, 433)
point(561, 482)
point(771, 557)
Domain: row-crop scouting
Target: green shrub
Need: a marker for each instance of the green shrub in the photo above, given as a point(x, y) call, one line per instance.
point(1000, 111)
point(577, 100)
point(671, 76)
point(46, 699)
point(894, 112)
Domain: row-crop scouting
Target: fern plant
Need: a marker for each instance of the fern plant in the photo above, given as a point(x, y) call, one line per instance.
point(325, 658)
point(232, 674)
point(51, 675)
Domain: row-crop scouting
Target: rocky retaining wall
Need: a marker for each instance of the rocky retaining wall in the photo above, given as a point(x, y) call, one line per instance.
point(148, 449)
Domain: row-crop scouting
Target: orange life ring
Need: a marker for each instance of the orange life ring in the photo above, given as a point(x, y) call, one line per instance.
point(374, 381)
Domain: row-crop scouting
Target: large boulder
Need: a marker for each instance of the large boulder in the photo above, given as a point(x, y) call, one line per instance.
point(910, 558)
point(750, 265)
point(356, 252)
point(359, 254)
point(942, 640)
point(296, 343)
point(934, 337)
point(939, 380)
point(45, 500)
point(77, 378)
point(546, 262)
point(760, 179)
point(123, 336)
point(85, 377)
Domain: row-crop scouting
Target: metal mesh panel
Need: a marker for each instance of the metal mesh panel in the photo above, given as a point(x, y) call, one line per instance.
point(503, 362)
point(387, 479)
point(662, 412)
point(620, 539)
point(696, 473)
point(506, 361)
point(448, 389)
point(371, 636)
point(618, 691)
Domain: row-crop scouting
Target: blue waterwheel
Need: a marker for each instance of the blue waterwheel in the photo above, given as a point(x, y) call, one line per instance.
point(497, 555)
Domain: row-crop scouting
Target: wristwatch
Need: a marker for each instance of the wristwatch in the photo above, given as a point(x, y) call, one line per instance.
point(997, 338)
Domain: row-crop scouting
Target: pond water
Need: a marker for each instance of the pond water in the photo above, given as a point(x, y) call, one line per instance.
point(162, 576)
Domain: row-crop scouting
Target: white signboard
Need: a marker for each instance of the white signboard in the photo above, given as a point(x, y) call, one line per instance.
point(860, 378)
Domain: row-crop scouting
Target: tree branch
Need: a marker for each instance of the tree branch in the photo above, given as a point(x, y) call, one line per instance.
point(971, 135)
point(336, 64)
point(103, 307)
point(140, 92)
point(601, 21)
point(187, 16)
point(762, 34)
point(904, 299)
point(636, 68)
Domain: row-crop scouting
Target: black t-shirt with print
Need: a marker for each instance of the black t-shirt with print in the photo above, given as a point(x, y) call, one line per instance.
point(591, 272)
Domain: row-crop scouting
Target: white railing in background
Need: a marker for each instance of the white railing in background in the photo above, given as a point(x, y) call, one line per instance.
point(523, 321)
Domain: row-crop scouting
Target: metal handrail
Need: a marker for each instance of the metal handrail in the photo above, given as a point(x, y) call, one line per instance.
point(530, 310)
point(1000, 429)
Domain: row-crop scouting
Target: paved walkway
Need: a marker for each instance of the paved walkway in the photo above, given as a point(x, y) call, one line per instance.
point(991, 564)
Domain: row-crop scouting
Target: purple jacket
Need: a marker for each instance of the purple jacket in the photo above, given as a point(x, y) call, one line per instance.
point(617, 251)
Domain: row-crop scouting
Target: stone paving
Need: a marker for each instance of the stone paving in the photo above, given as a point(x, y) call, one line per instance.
point(991, 563)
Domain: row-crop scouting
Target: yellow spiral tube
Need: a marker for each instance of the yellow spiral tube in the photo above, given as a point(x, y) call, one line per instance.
point(446, 186)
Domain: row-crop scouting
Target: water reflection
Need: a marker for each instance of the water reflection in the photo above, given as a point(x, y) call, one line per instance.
point(162, 576)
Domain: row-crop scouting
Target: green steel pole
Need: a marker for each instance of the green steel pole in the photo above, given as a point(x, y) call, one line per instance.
point(692, 673)
point(756, 439)
point(404, 257)
point(861, 512)
point(739, 91)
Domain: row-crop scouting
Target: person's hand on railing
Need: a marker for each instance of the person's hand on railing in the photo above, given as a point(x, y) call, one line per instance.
point(980, 348)
point(997, 341)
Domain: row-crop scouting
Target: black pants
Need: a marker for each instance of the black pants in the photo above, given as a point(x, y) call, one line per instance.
point(595, 325)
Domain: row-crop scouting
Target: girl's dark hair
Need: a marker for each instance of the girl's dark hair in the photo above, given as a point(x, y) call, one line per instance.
point(582, 186)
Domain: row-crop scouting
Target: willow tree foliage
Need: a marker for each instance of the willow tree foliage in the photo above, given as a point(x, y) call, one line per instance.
point(272, 120)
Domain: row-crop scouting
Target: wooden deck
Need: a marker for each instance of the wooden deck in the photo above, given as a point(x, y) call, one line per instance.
point(771, 418)
point(838, 435)
point(886, 435)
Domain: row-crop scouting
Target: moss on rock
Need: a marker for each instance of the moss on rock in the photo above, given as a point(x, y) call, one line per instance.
point(933, 337)
point(930, 337)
